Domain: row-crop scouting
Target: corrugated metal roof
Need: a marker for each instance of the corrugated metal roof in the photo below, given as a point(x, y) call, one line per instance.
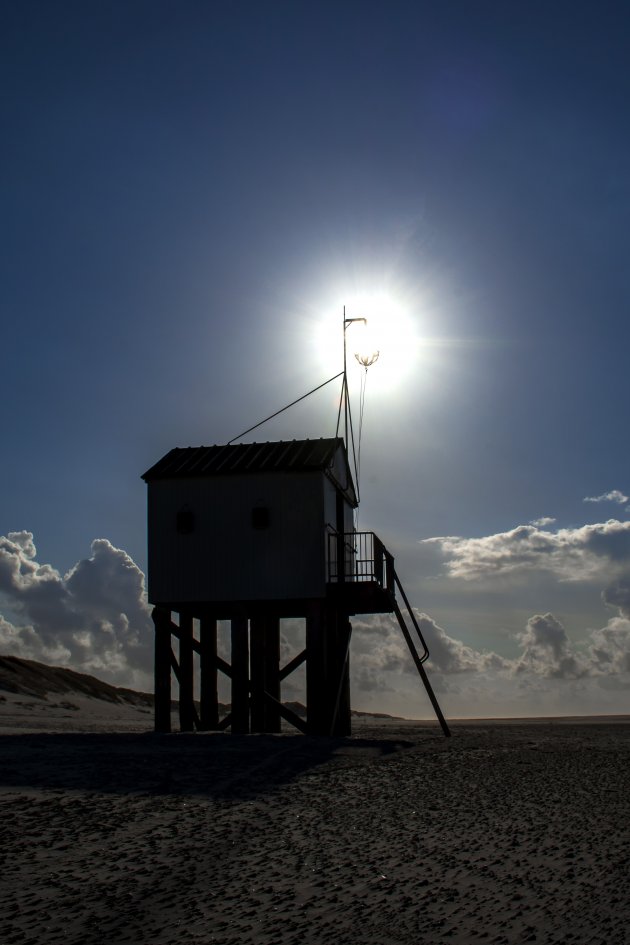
point(294, 455)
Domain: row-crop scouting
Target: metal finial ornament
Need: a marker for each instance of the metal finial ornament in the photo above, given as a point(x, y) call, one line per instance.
point(366, 360)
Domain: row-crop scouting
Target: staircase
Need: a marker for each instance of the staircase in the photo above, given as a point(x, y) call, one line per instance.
point(362, 571)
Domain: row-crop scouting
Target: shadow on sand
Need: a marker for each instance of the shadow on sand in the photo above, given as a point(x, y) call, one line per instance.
point(213, 765)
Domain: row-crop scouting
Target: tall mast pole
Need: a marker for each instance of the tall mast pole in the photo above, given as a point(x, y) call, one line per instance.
point(344, 386)
point(345, 380)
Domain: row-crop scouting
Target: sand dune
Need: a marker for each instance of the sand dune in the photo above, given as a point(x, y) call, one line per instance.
point(39, 698)
point(508, 832)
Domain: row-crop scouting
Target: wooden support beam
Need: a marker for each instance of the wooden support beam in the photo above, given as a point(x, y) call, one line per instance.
point(225, 722)
point(175, 666)
point(327, 670)
point(208, 675)
point(195, 718)
point(341, 628)
point(257, 644)
point(224, 667)
point(288, 715)
point(272, 715)
point(292, 665)
point(176, 633)
point(265, 673)
point(240, 675)
point(162, 669)
point(256, 681)
point(187, 710)
point(318, 720)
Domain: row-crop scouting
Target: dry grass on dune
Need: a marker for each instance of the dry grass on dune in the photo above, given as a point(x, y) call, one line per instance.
point(28, 677)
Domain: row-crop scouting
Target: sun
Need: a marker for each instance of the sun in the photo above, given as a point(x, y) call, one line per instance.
point(389, 331)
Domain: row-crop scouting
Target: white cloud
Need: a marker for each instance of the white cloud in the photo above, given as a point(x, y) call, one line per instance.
point(547, 650)
point(590, 554)
point(609, 650)
point(617, 594)
point(450, 656)
point(549, 676)
point(571, 554)
point(543, 521)
point(378, 649)
point(613, 496)
point(95, 618)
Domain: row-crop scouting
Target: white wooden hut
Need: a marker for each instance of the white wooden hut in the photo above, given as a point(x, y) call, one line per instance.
point(252, 533)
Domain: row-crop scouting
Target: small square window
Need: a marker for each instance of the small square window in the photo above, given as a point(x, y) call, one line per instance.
point(260, 517)
point(185, 522)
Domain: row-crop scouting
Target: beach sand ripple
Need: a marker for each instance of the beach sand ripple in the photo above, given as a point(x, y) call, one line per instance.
point(505, 833)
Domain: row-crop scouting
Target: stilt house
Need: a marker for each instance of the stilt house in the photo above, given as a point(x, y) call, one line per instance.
point(252, 533)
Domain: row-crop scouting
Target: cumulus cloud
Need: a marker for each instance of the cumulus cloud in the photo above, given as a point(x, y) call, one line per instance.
point(546, 653)
point(617, 594)
point(449, 655)
point(549, 662)
point(613, 496)
point(94, 618)
point(547, 650)
point(379, 648)
point(609, 651)
point(571, 554)
point(543, 521)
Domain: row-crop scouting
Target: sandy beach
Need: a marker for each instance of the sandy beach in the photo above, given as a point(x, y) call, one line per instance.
point(508, 832)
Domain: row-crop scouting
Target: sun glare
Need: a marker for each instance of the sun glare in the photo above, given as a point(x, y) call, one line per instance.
point(388, 330)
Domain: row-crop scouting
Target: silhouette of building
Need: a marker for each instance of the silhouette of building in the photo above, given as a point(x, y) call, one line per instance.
point(253, 533)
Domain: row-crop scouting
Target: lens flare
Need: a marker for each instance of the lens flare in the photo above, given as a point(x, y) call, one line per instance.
point(387, 340)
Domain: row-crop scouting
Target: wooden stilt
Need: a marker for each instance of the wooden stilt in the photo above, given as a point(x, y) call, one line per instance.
point(345, 704)
point(208, 675)
point(328, 671)
point(240, 676)
point(265, 673)
point(186, 674)
point(318, 719)
point(340, 630)
point(257, 671)
point(272, 673)
point(162, 706)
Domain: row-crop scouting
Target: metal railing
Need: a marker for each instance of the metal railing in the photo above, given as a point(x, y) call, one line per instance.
point(359, 557)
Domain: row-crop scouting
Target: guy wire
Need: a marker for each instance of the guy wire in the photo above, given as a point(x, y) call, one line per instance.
point(282, 409)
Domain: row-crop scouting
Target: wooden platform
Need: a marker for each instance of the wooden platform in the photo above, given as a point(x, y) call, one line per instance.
point(353, 597)
point(360, 597)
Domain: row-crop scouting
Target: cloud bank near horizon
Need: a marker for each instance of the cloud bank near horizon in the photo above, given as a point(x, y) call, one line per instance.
point(96, 618)
point(545, 651)
point(531, 560)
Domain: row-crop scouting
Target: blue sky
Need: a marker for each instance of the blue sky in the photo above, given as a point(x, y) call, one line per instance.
point(190, 190)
